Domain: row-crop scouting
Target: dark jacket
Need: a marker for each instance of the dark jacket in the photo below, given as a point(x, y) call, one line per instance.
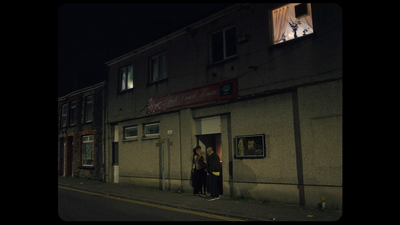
point(213, 163)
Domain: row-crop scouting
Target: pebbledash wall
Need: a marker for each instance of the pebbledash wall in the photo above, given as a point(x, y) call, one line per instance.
point(290, 92)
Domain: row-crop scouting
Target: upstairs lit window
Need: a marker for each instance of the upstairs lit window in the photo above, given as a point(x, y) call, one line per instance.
point(126, 78)
point(291, 21)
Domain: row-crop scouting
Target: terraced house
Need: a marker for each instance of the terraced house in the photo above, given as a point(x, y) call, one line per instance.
point(80, 133)
point(260, 83)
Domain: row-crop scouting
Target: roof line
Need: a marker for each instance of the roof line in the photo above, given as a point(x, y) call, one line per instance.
point(177, 33)
point(103, 83)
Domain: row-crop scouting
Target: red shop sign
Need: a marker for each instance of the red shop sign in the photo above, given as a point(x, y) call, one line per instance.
point(213, 92)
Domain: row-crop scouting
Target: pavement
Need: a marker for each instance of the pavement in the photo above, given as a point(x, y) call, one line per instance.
point(246, 209)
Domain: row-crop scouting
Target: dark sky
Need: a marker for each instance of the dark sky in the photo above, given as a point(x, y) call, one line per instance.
point(91, 34)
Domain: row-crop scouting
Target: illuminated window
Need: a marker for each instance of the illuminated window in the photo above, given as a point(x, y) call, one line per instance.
point(126, 78)
point(291, 21)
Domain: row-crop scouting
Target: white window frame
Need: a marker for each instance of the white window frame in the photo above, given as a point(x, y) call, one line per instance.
point(87, 139)
point(152, 124)
point(155, 76)
point(224, 45)
point(128, 128)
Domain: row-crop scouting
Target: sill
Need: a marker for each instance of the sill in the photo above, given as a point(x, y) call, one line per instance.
point(86, 167)
point(157, 82)
point(232, 58)
point(293, 41)
point(151, 137)
point(125, 91)
point(130, 139)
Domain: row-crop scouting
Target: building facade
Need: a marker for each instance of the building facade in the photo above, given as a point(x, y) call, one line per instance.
point(80, 133)
point(260, 83)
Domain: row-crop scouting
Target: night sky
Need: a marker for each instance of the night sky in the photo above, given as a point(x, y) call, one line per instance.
point(91, 34)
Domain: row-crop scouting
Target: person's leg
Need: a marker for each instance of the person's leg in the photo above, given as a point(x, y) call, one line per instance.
point(213, 186)
point(203, 181)
point(199, 181)
point(195, 183)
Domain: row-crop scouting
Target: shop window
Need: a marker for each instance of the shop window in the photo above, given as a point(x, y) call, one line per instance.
point(291, 21)
point(126, 78)
point(87, 150)
point(158, 68)
point(152, 129)
point(223, 44)
point(130, 132)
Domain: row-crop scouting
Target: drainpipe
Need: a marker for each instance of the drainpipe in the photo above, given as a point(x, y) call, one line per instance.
point(103, 134)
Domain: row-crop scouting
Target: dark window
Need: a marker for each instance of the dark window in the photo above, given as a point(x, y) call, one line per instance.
point(72, 113)
point(89, 108)
point(223, 44)
point(158, 68)
point(64, 115)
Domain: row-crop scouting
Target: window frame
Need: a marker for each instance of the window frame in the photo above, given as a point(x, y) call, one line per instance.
point(86, 108)
point(64, 116)
point(130, 137)
point(225, 57)
point(299, 35)
point(244, 152)
point(84, 149)
point(151, 135)
point(124, 82)
point(72, 113)
point(151, 72)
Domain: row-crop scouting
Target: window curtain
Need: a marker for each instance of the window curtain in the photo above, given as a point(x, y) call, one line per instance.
point(279, 17)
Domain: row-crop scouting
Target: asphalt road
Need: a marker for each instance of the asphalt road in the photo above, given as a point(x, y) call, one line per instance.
point(79, 206)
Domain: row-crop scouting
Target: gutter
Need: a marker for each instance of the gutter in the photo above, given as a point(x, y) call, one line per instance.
point(179, 32)
point(82, 90)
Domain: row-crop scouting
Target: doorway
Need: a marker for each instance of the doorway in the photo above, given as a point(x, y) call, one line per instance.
point(70, 155)
point(214, 141)
point(61, 163)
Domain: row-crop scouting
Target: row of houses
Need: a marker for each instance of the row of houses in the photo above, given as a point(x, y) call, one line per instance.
point(260, 83)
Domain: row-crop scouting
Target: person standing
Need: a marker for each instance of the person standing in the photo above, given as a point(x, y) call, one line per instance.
point(213, 169)
point(199, 169)
point(199, 172)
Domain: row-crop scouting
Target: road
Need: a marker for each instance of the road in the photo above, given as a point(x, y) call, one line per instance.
point(76, 205)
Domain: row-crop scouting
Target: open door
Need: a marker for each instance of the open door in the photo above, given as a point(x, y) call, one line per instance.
point(214, 141)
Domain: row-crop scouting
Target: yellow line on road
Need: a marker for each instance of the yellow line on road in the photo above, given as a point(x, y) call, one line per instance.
point(156, 206)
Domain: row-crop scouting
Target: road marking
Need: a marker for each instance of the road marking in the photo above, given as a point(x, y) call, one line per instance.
point(156, 206)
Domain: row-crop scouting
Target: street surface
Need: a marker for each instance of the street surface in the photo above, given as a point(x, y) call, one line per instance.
point(74, 205)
